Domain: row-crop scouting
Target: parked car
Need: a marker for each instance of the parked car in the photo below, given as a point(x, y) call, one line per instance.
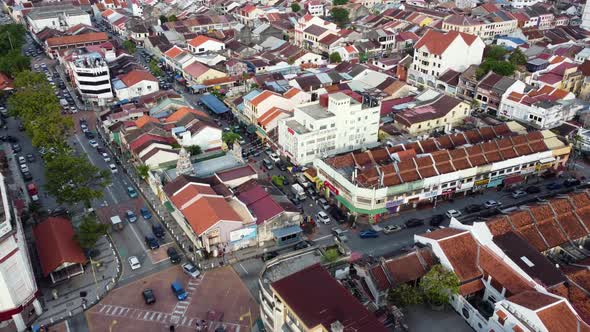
point(27, 176)
point(145, 213)
point(24, 168)
point(519, 193)
point(89, 135)
point(113, 168)
point(453, 213)
point(269, 255)
point(267, 164)
point(301, 245)
point(533, 190)
point(158, 230)
point(151, 242)
point(191, 270)
point(274, 157)
point(571, 182)
point(368, 233)
point(16, 148)
point(391, 229)
point(21, 160)
point(105, 157)
point(30, 157)
point(323, 217)
point(134, 263)
point(131, 192)
point(436, 220)
point(553, 186)
point(414, 222)
point(93, 143)
point(148, 296)
point(130, 216)
point(323, 203)
point(492, 204)
point(173, 254)
point(339, 234)
point(281, 165)
point(178, 291)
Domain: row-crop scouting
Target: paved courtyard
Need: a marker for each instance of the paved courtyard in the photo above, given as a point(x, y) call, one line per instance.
point(218, 296)
point(423, 319)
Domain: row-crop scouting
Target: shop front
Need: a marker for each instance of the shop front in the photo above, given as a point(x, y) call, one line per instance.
point(513, 181)
point(287, 235)
point(359, 213)
point(480, 185)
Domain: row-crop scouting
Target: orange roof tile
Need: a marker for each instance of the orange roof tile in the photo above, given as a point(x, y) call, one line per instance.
point(84, 38)
point(173, 52)
point(262, 97)
point(291, 93)
point(142, 121)
point(182, 112)
point(135, 76)
point(201, 39)
point(461, 252)
point(208, 211)
point(437, 42)
point(270, 115)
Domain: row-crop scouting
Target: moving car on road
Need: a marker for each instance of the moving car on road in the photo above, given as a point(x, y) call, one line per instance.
point(553, 186)
point(134, 263)
point(131, 192)
point(130, 216)
point(391, 229)
point(178, 291)
point(368, 233)
point(519, 193)
point(571, 182)
point(339, 234)
point(323, 217)
point(533, 190)
point(492, 204)
point(414, 222)
point(453, 214)
point(191, 270)
point(145, 213)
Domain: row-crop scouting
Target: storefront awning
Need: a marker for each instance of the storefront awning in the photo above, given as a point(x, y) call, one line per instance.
point(169, 206)
point(286, 231)
point(197, 87)
point(352, 208)
point(214, 104)
point(547, 160)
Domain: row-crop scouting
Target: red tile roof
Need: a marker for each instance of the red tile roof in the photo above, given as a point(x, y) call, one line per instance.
point(190, 192)
point(201, 39)
point(54, 239)
point(208, 211)
point(91, 37)
point(324, 301)
point(437, 42)
point(135, 76)
point(260, 203)
point(460, 251)
point(533, 300)
point(236, 173)
point(407, 268)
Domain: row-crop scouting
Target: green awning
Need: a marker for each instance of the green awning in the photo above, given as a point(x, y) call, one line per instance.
point(352, 208)
point(117, 138)
point(169, 206)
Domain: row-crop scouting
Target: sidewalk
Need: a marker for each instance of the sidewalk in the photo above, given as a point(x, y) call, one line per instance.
point(65, 299)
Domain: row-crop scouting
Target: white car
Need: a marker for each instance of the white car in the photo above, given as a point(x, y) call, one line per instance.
point(191, 270)
point(391, 229)
point(21, 160)
point(323, 217)
point(274, 157)
point(492, 204)
point(105, 156)
point(93, 143)
point(113, 168)
point(24, 168)
point(134, 263)
point(519, 193)
point(453, 213)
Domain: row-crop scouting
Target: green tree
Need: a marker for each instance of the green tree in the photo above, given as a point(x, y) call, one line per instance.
point(340, 16)
point(129, 46)
point(194, 150)
point(14, 62)
point(172, 18)
point(89, 232)
point(517, 58)
point(73, 179)
point(157, 71)
point(339, 2)
point(331, 255)
point(495, 52)
point(12, 38)
point(335, 57)
point(295, 7)
point(163, 19)
point(229, 138)
point(143, 171)
point(439, 284)
point(404, 295)
point(503, 68)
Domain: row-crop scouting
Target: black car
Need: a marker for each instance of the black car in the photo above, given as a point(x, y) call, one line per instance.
point(436, 220)
point(27, 176)
point(16, 148)
point(21, 127)
point(59, 211)
point(281, 166)
point(338, 215)
point(148, 296)
point(473, 208)
point(269, 255)
point(173, 254)
point(414, 222)
point(533, 190)
point(158, 230)
point(9, 139)
point(89, 135)
point(301, 245)
point(151, 242)
point(30, 157)
point(571, 182)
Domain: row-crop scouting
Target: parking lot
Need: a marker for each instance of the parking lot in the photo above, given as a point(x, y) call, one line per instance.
point(217, 297)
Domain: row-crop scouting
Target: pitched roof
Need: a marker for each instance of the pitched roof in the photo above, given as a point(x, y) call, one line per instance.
point(78, 39)
point(324, 301)
point(262, 97)
point(201, 39)
point(182, 112)
point(135, 76)
point(190, 192)
point(142, 121)
point(236, 173)
point(261, 203)
point(196, 69)
point(54, 239)
point(437, 42)
point(173, 52)
point(208, 211)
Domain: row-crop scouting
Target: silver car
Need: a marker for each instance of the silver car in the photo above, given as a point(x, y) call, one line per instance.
point(191, 270)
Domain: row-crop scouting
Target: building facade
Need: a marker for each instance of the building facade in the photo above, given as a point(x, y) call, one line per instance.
point(335, 124)
point(58, 17)
point(90, 74)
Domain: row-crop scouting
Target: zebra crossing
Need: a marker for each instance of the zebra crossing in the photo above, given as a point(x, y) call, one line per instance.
point(161, 317)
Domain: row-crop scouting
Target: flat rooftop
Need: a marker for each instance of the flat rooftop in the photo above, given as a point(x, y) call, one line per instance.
point(288, 266)
point(297, 127)
point(316, 111)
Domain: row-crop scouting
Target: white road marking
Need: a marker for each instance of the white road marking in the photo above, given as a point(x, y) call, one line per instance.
point(138, 238)
point(321, 238)
point(67, 326)
point(243, 268)
point(84, 148)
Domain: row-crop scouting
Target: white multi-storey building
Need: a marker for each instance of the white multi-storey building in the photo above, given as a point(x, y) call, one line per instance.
point(335, 124)
point(437, 52)
point(18, 289)
point(59, 17)
point(90, 73)
point(586, 18)
point(309, 30)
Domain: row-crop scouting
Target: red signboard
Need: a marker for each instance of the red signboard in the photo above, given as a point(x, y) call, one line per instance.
point(333, 189)
point(290, 131)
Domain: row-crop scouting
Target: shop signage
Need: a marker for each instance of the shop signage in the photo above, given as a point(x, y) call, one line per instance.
point(544, 166)
point(482, 182)
point(527, 170)
point(495, 182)
point(332, 189)
point(431, 194)
point(391, 204)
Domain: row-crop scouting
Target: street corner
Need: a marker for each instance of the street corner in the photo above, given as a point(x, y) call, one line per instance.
point(159, 255)
point(106, 212)
point(217, 297)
